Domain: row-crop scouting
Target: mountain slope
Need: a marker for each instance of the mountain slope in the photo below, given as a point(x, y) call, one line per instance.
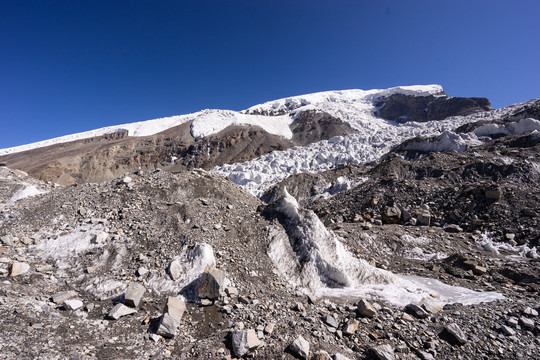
point(213, 138)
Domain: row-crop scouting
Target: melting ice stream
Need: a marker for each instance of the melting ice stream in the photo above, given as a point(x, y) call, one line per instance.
point(317, 263)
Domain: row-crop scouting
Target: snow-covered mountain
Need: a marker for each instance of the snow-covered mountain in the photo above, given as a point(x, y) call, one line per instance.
point(256, 147)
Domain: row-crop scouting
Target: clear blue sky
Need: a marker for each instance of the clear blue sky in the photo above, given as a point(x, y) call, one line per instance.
point(70, 66)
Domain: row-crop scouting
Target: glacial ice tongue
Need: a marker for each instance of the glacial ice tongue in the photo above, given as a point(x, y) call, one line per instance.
point(316, 262)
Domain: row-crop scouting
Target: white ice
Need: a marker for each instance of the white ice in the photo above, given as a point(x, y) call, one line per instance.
point(26, 192)
point(314, 260)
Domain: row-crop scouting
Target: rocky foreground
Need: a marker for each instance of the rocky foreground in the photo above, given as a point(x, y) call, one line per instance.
point(168, 265)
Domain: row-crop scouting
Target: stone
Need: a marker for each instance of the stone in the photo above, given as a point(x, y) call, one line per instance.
point(207, 302)
point(300, 348)
point(321, 355)
point(365, 309)
point(383, 352)
point(530, 311)
point(19, 268)
point(134, 294)
point(62, 296)
point(330, 321)
point(73, 304)
point(391, 215)
point(526, 323)
point(508, 330)
point(172, 315)
point(8, 240)
point(430, 307)
point(231, 291)
point(175, 270)
point(416, 311)
point(456, 333)
point(120, 310)
point(127, 180)
point(479, 270)
point(453, 228)
point(167, 326)
point(424, 355)
point(142, 271)
point(405, 214)
point(99, 238)
point(423, 217)
point(269, 328)
point(350, 327)
point(212, 283)
point(244, 342)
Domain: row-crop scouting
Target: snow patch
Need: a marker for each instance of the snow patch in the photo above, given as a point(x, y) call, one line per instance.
point(488, 244)
point(193, 262)
point(26, 192)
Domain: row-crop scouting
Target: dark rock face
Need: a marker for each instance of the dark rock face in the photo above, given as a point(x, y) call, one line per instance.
point(312, 126)
point(403, 108)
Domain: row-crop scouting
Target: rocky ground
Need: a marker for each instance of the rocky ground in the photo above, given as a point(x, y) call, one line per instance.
point(164, 264)
point(91, 242)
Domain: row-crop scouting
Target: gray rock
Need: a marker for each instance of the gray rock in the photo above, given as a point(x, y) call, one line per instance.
point(244, 341)
point(330, 321)
point(100, 238)
point(62, 296)
point(142, 271)
point(508, 330)
point(526, 323)
point(19, 268)
point(167, 326)
point(175, 270)
point(453, 228)
point(424, 355)
point(383, 352)
point(430, 307)
point(416, 311)
point(120, 310)
point(530, 311)
point(366, 309)
point(456, 333)
point(391, 215)
point(269, 328)
point(350, 327)
point(73, 304)
point(423, 217)
point(405, 215)
point(134, 294)
point(8, 240)
point(212, 283)
point(300, 347)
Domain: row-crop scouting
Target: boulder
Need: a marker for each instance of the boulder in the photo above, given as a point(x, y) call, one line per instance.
point(391, 215)
point(134, 294)
point(120, 310)
point(300, 348)
point(244, 342)
point(456, 333)
point(383, 352)
point(19, 268)
point(366, 309)
point(212, 283)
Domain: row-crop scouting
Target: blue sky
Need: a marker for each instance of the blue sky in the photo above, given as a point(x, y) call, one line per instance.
point(70, 66)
